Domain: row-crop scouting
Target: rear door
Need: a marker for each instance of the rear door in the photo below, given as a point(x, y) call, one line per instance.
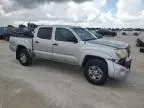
point(43, 43)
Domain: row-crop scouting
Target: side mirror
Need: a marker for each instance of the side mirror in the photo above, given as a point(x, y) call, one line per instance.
point(75, 41)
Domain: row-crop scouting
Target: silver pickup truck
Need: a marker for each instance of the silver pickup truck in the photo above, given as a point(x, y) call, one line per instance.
point(100, 58)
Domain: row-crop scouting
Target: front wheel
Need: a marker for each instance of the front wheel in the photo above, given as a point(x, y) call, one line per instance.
point(25, 58)
point(96, 72)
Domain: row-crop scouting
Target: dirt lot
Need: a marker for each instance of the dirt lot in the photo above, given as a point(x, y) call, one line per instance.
point(18, 94)
point(55, 85)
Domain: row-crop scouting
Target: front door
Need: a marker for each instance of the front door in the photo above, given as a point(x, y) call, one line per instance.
point(65, 46)
point(43, 43)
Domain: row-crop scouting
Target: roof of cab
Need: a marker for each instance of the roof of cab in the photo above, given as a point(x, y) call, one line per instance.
point(69, 26)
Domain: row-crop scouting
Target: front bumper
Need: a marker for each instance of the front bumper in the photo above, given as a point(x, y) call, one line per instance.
point(122, 70)
point(119, 70)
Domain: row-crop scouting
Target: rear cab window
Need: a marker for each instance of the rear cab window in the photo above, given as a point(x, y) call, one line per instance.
point(45, 33)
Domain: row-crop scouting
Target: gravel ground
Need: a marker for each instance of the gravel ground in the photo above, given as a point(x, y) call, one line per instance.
point(57, 85)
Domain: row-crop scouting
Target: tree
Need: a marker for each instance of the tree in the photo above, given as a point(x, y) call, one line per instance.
point(22, 26)
point(11, 26)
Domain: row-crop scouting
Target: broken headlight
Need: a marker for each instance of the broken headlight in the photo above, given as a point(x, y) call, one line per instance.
point(122, 53)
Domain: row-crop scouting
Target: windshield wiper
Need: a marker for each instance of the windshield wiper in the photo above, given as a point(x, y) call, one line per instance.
point(89, 39)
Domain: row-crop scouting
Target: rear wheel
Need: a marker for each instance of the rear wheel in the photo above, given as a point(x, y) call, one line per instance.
point(1, 37)
point(96, 72)
point(7, 38)
point(25, 58)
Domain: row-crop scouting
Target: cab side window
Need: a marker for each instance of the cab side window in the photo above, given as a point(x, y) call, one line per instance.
point(66, 35)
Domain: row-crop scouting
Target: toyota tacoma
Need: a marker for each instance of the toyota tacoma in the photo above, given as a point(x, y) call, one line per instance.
point(101, 58)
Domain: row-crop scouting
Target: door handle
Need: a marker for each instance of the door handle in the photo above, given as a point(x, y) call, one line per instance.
point(36, 41)
point(55, 44)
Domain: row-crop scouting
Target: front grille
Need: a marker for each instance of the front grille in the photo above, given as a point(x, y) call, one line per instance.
point(125, 63)
point(122, 62)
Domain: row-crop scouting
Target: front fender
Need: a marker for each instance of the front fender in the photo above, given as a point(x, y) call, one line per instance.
point(106, 57)
point(96, 53)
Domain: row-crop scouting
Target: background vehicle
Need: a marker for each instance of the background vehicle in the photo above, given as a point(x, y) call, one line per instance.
point(3, 31)
point(100, 58)
point(106, 33)
point(130, 32)
point(96, 34)
point(9, 31)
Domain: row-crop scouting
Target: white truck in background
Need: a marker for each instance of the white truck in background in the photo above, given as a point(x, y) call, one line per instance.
point(100, 58)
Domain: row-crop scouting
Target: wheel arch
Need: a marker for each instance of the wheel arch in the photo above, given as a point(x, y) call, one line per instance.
point(90, 57)
point(100, 62)
point(19, 48)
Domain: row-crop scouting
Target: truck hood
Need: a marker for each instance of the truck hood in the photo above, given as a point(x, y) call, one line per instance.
point(110, 43)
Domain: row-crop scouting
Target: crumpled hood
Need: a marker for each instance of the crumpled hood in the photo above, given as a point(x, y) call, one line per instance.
point(111, 43)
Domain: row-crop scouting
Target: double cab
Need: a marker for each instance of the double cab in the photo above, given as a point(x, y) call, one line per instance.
point(100, 58)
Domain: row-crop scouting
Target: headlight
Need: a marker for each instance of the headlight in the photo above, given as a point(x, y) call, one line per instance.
point(122, 53)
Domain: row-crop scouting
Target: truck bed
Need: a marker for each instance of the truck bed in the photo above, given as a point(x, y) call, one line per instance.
point(24, 41)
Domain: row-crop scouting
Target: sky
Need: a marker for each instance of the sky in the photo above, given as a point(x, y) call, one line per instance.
point(86, 13)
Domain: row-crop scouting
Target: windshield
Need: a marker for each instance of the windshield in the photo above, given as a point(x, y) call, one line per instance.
point(83, 34)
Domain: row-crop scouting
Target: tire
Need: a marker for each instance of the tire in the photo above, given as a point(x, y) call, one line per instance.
point(124, 33)
point(100, 64)
point(25, 58)
point(7, 38)
point(113, 35)
point(136, 34)
point(142, 50)
point(1, 37)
